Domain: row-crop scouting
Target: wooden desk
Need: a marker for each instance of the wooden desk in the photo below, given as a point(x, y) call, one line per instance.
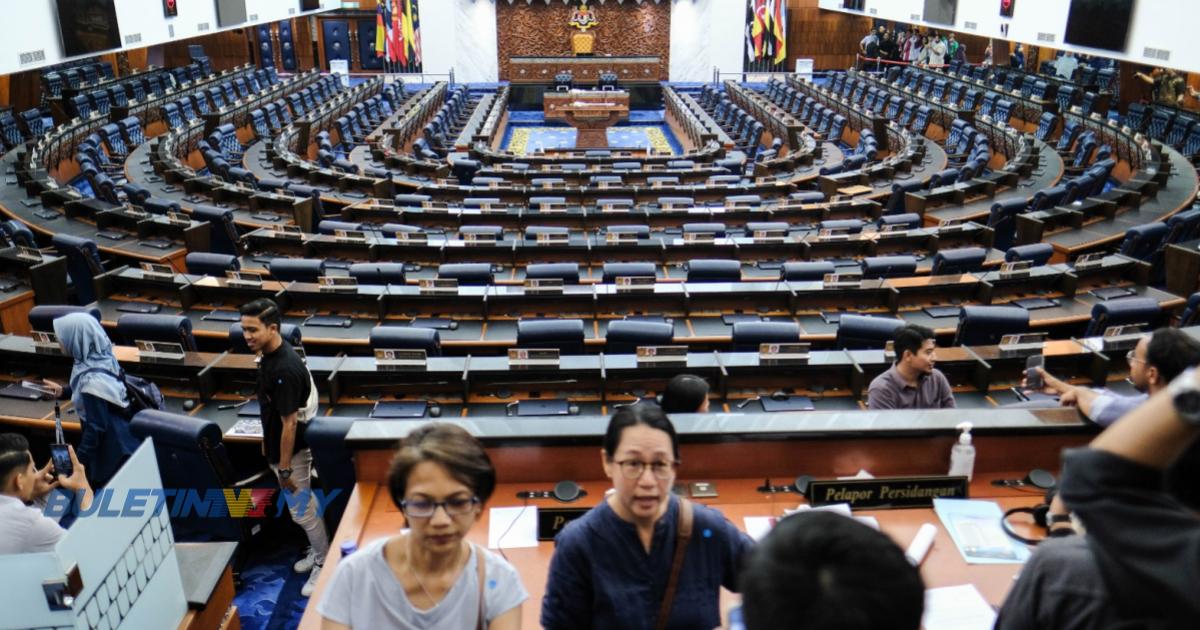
point(371, 515)
point(590, 112)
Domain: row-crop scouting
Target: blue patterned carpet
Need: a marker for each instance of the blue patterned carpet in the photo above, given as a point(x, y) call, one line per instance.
point(268, 597)
point(527, 132)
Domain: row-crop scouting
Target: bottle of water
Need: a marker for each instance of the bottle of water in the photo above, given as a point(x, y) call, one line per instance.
point(962, 455)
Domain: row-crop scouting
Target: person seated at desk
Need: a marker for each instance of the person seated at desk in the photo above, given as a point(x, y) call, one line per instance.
point(98, 395)
point(617, 565)
point(430, 577)
point(685, 393)
point(1146, 543)
point(823, 571)
point(1153, 363)
point(23, 527)
point(912, 382)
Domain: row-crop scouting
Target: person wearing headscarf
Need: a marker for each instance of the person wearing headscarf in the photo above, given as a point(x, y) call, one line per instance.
point(98, 396)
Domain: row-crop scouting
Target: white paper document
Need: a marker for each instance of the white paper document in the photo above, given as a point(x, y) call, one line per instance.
point(974, 526)
point(512, 527)
point(957, 608)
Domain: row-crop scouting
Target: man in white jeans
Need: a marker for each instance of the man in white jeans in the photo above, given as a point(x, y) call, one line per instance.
point(287, 399)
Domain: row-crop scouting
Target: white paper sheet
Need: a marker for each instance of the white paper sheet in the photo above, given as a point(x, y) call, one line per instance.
point(957, 608)
point(512, 527)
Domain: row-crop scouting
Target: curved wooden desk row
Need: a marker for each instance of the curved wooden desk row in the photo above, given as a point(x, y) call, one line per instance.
point(736, 453)
point(691, 123)
point(483, 320)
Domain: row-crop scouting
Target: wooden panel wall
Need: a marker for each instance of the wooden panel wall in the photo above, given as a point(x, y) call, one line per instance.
point(829, 38)
point(541, 30)
point(225, 50)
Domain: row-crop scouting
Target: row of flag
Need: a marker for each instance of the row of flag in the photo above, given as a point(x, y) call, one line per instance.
point(766, 31)
point(398, 33)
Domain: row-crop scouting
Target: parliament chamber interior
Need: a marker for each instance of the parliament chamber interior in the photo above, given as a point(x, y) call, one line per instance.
point(534, 220)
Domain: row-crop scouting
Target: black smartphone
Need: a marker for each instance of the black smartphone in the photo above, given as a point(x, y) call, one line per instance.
point(61, 458)
point(1033, 379)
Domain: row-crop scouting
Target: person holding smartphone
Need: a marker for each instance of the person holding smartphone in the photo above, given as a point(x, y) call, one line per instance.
point(23, 527)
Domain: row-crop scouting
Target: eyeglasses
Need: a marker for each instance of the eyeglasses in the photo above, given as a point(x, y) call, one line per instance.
point(1130, 358)
point(424, 508)
point(633, 468)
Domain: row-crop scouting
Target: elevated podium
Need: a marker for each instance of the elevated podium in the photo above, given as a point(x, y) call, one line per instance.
point(590, 112)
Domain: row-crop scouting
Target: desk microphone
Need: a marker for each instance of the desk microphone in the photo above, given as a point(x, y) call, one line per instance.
point(564, 491)
point(234, 405)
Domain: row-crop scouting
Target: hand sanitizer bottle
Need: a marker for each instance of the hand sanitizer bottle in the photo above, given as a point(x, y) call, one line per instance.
point(962, 456)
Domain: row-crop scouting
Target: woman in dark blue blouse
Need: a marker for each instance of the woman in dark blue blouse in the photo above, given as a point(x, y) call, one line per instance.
point(611, 566)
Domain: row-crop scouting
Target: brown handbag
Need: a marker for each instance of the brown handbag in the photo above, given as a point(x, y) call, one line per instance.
point(684, 535)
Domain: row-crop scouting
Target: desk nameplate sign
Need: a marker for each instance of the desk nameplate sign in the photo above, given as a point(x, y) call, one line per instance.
point(1022, 345)
point(338, 284)
point(288, 232)
point(661, 355)
point(479, 239)
point(46, 343)
point(412, 238)
point(615, 208)
point(1089, 261)
point(887, 492)
point(393, 358)
point(783, 353)
point(552, 520)
point(770, 236)
point(1015, 269)
point(620, 238)
point(543, 286)
point(533, 357)
point(698, 238)
point(242, 279)
point(552, 208)
point(842, 281)
point(175, 218)
point(29, 253)
point(1117, 338)
point(553, 238)
point(948, 226)
point(159, 351)
point(838, 234)
point(438, 286)
point(152, 271)
point(892, 231)
point(634, 284)
point(349, 236)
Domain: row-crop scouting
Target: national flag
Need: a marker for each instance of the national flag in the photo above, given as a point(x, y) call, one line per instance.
point(414, 31)
point(380, 41)
point(398, 54)
point(779, 24)
point(758, 26)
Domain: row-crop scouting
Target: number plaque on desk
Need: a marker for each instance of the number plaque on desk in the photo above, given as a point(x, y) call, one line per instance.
point(1022, 345)
point(553, 238)
point(412, 238)
point(175, 218)
point(531, 357)
point(1015, 269)
point(620, 238)
point(152, 271)
point(1089, 261)
point(338, 284)
point(544, 286)
point(661, 355)
point(159, 350)
point(395, 357)
point(30, 254)
point(1122, 337)
point(842, 281)
point(838, 234)
point(479, 238)
point(46, 343)
point(783, 353)
point(634, 284)
point(438, 286)
point(699, 238)
point(242, 279)
point(946, 226)
point(769, 236)
point(289, 232)
point(350, 236)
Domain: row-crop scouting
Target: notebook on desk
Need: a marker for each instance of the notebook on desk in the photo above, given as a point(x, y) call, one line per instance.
point(1112, 293)
point(217, 315)
point(938, 312)
point(328, 321)
point(739, 319)
point(139, 307)
point(788, 403)
point(249, 410)
point(15, 390)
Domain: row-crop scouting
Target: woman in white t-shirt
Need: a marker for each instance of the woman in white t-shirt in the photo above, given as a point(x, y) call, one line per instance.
point(429, 577)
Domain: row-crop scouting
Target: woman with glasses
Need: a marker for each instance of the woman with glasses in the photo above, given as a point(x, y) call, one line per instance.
point(430, 577)
point(612, 567)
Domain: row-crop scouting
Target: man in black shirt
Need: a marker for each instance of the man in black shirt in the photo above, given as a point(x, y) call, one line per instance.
point(287, 401)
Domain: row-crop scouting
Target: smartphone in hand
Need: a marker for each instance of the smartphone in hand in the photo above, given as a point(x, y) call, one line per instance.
point(1033, 378)
point(61, 457)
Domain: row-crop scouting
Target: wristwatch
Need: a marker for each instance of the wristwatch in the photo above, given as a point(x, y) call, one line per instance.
point(1185, 395)
point(285, 473)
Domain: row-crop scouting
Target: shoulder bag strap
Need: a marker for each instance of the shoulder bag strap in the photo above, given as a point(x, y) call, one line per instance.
point(684, 532)
point(480, 567)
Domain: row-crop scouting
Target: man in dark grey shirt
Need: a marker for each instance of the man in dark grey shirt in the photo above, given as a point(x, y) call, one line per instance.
point(912, 382)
